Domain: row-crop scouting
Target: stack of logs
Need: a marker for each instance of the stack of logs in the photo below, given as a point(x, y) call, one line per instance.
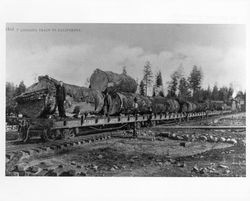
point(109, 93)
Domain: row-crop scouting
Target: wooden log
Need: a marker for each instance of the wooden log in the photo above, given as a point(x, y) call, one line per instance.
point(162, 105)
point(102, 80)
point(183, 107)
point(173, 104)
point(187, 106)
point(40, 99)
point(159, 105)
point(201, 107)
point(144, 103)
point(123, 103)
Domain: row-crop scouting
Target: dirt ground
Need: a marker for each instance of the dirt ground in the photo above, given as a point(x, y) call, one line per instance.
point(183, 153)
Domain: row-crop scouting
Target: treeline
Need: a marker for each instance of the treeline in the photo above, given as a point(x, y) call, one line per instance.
point(12, 91)
point(184, 87)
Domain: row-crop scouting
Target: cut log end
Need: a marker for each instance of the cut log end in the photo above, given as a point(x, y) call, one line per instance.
point(102, 80)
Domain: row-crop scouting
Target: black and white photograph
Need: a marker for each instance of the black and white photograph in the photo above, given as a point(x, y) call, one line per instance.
point(143, 100)
point(124, 100)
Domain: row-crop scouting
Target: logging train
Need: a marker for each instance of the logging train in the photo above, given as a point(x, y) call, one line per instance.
point(109, 100)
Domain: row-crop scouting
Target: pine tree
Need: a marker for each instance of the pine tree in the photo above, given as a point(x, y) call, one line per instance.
point(209, 93)
point(206, 94)
point(158, 87)
point(184, 92)
point(194, 80)
point(215, 93)
point(159, 82)
point(148, 76)
point(173, 84)
point(223, 94)
point(142, 88)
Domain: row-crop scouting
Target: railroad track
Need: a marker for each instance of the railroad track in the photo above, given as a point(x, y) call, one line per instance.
point(55, 146)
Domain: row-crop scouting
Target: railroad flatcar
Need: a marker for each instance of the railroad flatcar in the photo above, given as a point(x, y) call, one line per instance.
point(108, 108)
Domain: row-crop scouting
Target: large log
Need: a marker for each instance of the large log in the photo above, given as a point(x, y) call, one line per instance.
point(159, 105)
point(174, 105)
point(187, 106)
point(40, 99)
point(123, 103)
point(163, 105)
point(201, 107)
point(102, 80)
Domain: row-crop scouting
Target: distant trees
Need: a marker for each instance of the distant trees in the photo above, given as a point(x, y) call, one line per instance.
point(215, 93)
point(190, 88)
point(207, 93)
point(185, 88)
point(223, 93)
point(11, 92)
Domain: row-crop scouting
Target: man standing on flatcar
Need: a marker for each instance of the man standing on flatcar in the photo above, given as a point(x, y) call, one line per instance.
point(60, 98)
point(106, 103)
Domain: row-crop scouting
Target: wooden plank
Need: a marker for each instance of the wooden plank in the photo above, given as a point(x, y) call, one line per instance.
point(72, 123)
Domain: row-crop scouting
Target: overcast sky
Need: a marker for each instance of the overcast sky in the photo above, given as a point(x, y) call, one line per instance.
point(72, 56)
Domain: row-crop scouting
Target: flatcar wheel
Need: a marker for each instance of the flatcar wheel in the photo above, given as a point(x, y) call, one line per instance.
point(128, 126)
point(71, 133)
point(68, 133)
point(153, 123)
point(138, 125)
point(44, 135)
point(53, 135)
point(57, 134)
point(146, 124)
